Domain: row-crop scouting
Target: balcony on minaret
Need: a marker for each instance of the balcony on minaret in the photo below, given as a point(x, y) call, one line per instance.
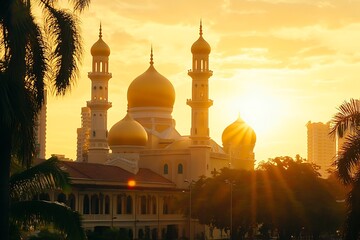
point(99, 75)
point(99, 104)
point(199, 103)
point(204, 72)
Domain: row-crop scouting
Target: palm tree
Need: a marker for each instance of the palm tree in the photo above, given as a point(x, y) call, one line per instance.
point(346, 124)
point(27, 211)
point(33, 54)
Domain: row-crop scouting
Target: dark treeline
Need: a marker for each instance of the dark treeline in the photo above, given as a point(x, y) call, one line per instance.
point(282, 198)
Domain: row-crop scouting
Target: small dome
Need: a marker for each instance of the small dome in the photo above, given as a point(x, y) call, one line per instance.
point(100, 48)
point(151, 89)
point(200, 46)
point(239, 134)
point(127, 132)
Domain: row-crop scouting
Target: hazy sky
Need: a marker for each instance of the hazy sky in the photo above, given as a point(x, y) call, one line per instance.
point(279, 63)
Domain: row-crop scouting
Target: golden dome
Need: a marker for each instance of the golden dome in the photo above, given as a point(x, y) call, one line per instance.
point(239, 134)
point(151, 89)
point(127, 132)
point(200, 46)
point(100, 48)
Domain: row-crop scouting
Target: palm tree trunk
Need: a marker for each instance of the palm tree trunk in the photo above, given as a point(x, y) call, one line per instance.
point(5, 159)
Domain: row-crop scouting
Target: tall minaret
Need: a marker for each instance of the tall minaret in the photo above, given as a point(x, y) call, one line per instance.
point(99, 76)
point(200, 101)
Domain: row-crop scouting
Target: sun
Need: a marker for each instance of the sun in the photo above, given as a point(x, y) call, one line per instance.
point(260, 109)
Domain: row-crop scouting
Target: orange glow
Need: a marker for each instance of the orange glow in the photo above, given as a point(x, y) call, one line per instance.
point(131, 183)
point(277, 74)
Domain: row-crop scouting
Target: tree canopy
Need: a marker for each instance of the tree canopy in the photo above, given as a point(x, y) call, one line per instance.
point(34, 54)
point(282, 197)
point(28, 211)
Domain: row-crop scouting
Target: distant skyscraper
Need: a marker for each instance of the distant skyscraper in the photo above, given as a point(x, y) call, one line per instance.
point(321, 147)
point(40, 130)
point(83, 135)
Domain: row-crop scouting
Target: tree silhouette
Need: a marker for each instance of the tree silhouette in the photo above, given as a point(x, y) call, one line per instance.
point(346, 124)
point(282, 195)
point(32, 55)
point(28, 211)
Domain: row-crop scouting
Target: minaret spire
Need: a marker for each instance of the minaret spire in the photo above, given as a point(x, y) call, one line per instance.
point(200, 102)
point(151, 56)
point(100, 31)
point(99, 103)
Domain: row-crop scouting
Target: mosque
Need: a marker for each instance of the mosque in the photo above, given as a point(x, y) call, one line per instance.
point(129, 177)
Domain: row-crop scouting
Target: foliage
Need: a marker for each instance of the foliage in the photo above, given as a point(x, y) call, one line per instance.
point(346, 124)
point(26, 213)
point(34, 54)
point(282, 195)
point(47, 235)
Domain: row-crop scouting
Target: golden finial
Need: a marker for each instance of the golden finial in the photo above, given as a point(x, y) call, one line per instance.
point(201, 33)
point(151, 56)
point(100, 32)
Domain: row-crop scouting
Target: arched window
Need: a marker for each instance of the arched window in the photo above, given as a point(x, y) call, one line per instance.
point(165, 206)
point(61, 198)
point(107, 204)
point(129, 205)
point(71, 201)
point(86, 204)
point(101, 203)
point(119, 201)
point(94, 204)
point(166, 169)
point(180, 168)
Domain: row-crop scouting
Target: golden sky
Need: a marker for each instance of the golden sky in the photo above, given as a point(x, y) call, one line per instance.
point(277, 63)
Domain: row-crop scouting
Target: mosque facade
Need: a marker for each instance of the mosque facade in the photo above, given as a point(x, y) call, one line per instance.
point(130, 175)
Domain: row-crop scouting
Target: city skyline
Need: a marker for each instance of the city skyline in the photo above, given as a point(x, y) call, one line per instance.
point(277, 70)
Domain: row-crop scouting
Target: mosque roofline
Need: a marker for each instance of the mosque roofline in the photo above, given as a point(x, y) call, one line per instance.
point(96, 174)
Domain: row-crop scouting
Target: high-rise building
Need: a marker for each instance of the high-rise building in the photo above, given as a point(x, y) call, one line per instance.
point(40, 130)
point(321, 147)
point(83, 135)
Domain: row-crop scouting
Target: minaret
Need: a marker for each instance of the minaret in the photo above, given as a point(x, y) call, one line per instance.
point(99, 76)
point(200, 101)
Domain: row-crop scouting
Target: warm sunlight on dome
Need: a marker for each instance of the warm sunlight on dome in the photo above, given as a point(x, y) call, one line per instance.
point(260, 109)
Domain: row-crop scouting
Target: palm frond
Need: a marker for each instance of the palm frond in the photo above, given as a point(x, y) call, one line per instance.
point(80, 5)
point(28, 213)
point(348, 118)
point(21, 105)
point(45, 176)
point(348, 157)
point(62, 28)
point(36, 62)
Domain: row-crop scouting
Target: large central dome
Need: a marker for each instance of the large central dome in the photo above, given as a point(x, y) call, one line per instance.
point(151, 89)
